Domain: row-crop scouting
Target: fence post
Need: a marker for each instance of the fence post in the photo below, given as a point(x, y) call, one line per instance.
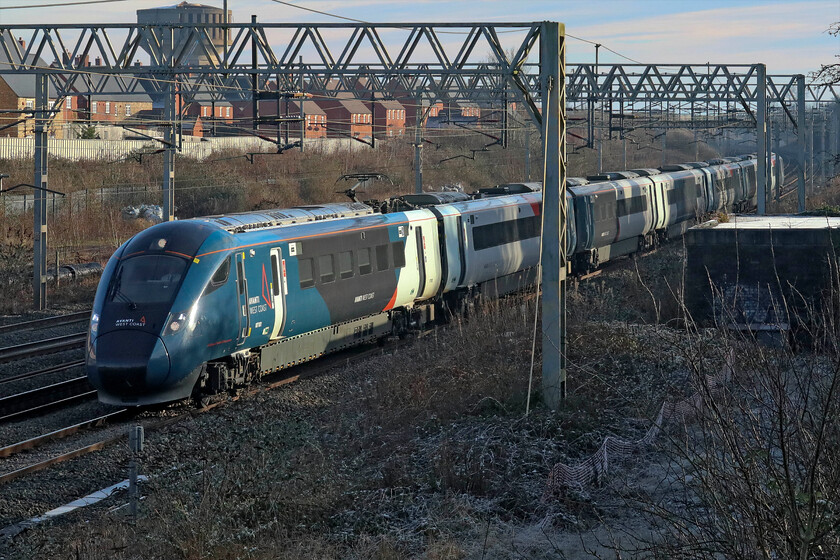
point(135, 445)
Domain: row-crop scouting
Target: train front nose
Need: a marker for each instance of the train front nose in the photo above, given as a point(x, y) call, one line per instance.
point(129, 364)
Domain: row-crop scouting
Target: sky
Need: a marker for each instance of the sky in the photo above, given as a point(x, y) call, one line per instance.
point(788, 36)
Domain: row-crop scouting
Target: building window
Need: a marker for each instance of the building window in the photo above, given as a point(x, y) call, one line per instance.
point(228, 112)
point(30, 103)
point(107, 107)
point(93, 107)
point(69, 103)
point(127, 110)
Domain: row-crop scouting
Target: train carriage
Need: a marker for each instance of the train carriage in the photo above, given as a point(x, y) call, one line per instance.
point(493, 239)
point(195, 307)
point(614, 218)
point(685, 193)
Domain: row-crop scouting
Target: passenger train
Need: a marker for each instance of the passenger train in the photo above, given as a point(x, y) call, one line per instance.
point(196, 307)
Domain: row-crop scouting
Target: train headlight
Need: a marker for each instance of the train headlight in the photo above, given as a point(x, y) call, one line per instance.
point(94, 323)
point(176, 323)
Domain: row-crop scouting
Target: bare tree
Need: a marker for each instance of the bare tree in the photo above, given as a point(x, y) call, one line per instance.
point(829, 73)
point(755, 469)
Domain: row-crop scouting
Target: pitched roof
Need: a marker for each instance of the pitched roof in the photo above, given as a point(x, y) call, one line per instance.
point(110, 84)
point(23, 85)
point(309, 107)
point(355, 106)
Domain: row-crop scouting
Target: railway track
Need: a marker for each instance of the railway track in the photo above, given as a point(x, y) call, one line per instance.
point(307, 370)
point(43, 347)
point(46, 398)
point(38, 441)
point(44, 371)
point(69, 319)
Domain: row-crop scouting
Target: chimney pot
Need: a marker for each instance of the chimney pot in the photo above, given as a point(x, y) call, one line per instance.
point(22, 43)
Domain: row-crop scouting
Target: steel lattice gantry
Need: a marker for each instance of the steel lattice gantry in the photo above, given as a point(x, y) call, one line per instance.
point(640, 83)
point(455, 61)
point(745, 85)
point(434, 60)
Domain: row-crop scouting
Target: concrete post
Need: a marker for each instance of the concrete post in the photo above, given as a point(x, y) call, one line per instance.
point(552, 82)
point(801, 131)
point(761, 137)
point(135, 446)
point(39, 278)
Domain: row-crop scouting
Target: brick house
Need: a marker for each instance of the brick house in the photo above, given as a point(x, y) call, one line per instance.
point(17, 93)
point(389, 115)
point(456, 112)
point(316, 118)
point(112, 109)
point(206, 118)
point(347, 116)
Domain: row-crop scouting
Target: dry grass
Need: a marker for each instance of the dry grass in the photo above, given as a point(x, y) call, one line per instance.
point(426, 453)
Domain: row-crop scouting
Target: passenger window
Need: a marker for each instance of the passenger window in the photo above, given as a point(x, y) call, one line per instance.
point(220, 277)
point(398, 252)
point(306, 277)
point(381, 257)
point(326, 269)
point(364, 261)
point(275, 276)
point(222, 273)
point(240, 268)
point(345, 264)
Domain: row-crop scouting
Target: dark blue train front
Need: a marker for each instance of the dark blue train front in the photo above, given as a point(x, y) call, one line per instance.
point(144, 345)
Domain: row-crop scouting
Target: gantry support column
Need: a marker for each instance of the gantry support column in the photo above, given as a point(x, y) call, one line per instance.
point(761, 138)
point(823, 148)
point(170, 137)
point(801, 131)
point(39, 275)
point(418, 146)
point(552, 83)
point(810, 151)
point(834, 135)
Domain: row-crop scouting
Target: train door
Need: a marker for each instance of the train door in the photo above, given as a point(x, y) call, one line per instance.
point(242, 294)
point(278, 291)
point(421, 261)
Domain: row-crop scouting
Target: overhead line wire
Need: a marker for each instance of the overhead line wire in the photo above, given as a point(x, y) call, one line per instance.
point(60, 4)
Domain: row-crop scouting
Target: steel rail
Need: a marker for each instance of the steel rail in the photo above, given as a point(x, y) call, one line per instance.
point(312, 369)
point(52, 369)
point(37, 441)
point(58, 320)
point(41, 347)
point(44, 398)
